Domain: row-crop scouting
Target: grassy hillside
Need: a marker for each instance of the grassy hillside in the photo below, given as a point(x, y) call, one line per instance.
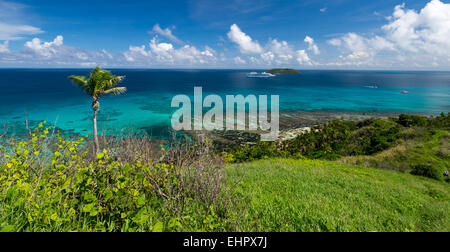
point(427, 148)
point(314, 195)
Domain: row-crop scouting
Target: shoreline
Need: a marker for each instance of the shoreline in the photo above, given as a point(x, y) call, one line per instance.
point(292, 122)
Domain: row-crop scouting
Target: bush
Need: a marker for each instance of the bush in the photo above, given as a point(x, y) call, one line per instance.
point(262, 150)
point(412, 120)
point(426, 170)
point(183, 190)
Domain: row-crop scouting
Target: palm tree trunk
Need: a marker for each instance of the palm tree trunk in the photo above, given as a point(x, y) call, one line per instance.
point(95, 108)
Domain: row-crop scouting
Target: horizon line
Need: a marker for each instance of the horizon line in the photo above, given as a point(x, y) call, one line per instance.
point(212, 69)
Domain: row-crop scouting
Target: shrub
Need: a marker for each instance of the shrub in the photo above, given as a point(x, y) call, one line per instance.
point(262, 150)
point(426, 170)
point(412, 120)
point(183, 190)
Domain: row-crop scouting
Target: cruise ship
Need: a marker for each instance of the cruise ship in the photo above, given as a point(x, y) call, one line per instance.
point(260, 75)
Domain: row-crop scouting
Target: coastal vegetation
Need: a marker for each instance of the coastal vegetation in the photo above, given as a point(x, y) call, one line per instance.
point(99, 82)
point(49, 183)
point(283, 71)
point(402, 143)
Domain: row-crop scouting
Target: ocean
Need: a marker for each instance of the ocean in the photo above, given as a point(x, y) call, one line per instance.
point(36, 95)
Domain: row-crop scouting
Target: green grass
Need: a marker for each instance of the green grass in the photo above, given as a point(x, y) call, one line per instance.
point(313, 195)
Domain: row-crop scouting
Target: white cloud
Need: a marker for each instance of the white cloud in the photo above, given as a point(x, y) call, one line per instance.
point(275, 52)
point(416, 38)
point(312, 46)
point(335, 42)
point(268, 57)
point(426, 31)
point(46, 49)
point(88, 64)
point(12, 25)
point(16, 32)
point(81, 56)
point(167, 55)
point(52, 53)
point(166, 33)
point(281, 51)
point(107, 54)
point(245, 42)
point(239, 61)
point(4, 47)
point(358, 55)
point(303, 58)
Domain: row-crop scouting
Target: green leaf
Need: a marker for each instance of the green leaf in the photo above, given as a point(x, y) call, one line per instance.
point(88, 208)
point(7, 229)
point(99, 227)
point(100, 156)
point(158, 227)
point(141, 201)
point(89, 197)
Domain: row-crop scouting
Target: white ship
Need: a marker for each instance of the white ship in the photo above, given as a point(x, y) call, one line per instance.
point(260, 75)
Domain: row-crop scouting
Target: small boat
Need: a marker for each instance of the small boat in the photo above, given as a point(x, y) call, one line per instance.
point(374, 86)
point(404, 92)
point(260, 75)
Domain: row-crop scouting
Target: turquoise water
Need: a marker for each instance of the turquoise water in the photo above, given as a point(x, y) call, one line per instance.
point(38, 95)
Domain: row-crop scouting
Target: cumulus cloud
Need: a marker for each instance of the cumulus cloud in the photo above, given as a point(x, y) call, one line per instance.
point(303, 58)
point(335, 42)
point(427, 30)
point(275, 52)
point(312, 46)
point(46, 49)
point(167, 55)
point(167, 33)
point(239, 61)
point(358, 55)
point(361, 48)
point(245, 42)
point(52, 52)
point(281, 52)
point(410, 35)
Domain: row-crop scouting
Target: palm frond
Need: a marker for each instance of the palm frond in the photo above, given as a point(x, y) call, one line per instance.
point(81, 82)
point(115, 80)
point(99, 82)
point(115, 91)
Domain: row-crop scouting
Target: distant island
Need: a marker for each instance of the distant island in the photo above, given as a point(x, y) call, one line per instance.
point(283, 71)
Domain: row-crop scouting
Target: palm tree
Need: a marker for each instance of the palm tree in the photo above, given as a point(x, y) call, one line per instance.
point(99, 82)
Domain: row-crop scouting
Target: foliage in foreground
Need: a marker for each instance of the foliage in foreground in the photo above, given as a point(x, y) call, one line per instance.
point(316, 195)
point(55, 186)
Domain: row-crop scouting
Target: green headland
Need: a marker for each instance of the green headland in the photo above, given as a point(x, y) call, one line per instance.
point(283, 71)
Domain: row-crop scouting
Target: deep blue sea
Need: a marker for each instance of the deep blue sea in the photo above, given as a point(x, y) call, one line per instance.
point(37, 94)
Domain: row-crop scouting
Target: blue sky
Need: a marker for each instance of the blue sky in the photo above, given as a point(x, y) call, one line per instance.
point(312, 34)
